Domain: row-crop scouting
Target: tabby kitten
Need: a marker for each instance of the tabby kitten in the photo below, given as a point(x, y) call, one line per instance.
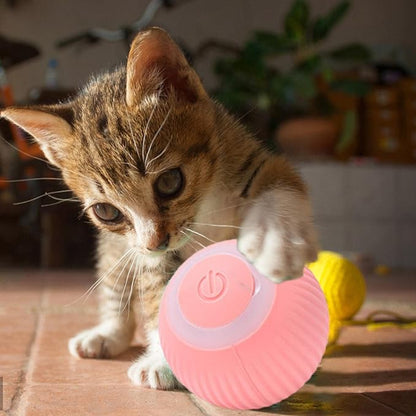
point(163, 170)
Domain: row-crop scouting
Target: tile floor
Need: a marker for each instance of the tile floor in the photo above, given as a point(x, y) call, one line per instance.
point(368, 373)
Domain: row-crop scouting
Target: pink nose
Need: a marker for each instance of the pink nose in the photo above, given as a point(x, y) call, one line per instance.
point(160, 242)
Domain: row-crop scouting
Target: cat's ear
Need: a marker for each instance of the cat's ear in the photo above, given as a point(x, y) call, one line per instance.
point(49, 126)
point(157, 65)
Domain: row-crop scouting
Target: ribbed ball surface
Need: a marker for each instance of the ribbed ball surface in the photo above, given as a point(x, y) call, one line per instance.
point(261, 369)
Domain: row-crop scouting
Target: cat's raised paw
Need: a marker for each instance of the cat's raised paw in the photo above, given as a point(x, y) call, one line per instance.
point(152, 371)
point(277, 235)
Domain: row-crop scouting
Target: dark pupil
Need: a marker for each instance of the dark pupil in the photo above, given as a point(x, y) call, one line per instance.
point(106, 212)
point(169, 183)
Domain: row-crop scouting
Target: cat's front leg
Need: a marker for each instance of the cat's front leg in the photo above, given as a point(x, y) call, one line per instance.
point(277, 233)
point(113, 335)
point(151, 369)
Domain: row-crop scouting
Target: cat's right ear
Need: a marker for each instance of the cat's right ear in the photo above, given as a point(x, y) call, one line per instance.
point(156, 64)
point(46, 125)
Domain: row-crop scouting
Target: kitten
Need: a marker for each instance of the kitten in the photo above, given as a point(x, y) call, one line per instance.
point(163, 170)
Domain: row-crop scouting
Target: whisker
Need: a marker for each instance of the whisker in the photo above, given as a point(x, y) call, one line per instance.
point(161, 153)
point(200, 234)
point(100, 279)
point(24, 153)
point(190, 242)
point(146, 130)
point(49, 193)
point(193, 239)
point(132, 136)
point(60, 201)
point(155, 137)
point(132, 261)
point(133, 282)
point(155, 172)
point(125, 258)
point(246, 114)
point(228, 207)
point(29, 180)
point(131, 254)
point(216, 225)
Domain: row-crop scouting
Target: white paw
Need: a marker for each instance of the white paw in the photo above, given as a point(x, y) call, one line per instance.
point(152, 370)
point(277, 235)
point(101, 341)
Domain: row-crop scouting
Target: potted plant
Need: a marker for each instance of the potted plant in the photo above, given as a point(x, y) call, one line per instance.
point(301, 103)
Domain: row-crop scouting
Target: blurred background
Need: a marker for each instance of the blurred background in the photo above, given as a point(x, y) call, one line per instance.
point(329, 83)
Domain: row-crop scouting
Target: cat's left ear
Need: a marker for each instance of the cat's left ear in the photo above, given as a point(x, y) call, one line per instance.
point(157, 65)
point(49, 126)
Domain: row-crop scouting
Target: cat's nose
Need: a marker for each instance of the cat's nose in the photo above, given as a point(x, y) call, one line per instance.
point(159, 243)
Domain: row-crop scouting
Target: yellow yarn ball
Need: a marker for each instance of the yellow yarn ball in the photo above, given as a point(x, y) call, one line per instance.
point(334, 329)
point(343, 285)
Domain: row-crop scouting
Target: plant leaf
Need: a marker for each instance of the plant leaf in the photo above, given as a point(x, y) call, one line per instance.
point(273, 44)
point(323, 25)
point(351, 86)
point(349, 127)
point(296, 21)
point(351, 52)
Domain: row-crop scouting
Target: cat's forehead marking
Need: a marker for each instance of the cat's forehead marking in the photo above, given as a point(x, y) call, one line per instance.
point(99, 187)
point(102, 125)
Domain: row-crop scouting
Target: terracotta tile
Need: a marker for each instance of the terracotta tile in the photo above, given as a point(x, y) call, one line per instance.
point(71, 298)
point(60, 400)
point(12, 367)
point(70, 370)
point(11, 392)
point(66, 289)
point(212, 410)
point(368, 373)
point(17, 332)
point(55, 329)
point(386, 339)
point(333, 404)
point(308, 404)
point(402, 400)
point(368, 361)
point(19, 299)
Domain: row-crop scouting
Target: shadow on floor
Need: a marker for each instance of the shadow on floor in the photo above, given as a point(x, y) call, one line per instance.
point(393, 349)
point(131, 354)
point(353, 404)
point(365, 378)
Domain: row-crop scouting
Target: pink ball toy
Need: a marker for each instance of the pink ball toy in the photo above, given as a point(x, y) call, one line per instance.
point(236, 339)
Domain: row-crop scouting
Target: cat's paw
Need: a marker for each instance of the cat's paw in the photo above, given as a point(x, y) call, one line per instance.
point(277, 235)
point(152, 371)
point(99, 342)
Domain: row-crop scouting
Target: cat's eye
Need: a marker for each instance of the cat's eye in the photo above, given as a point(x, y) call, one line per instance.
point(107, 213)
point(169, 184)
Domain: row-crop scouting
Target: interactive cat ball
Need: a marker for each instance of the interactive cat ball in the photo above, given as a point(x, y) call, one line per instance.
point(236, 339)
point(343, 285)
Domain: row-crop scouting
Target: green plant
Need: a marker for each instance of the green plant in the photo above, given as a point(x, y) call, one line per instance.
point(251, 78)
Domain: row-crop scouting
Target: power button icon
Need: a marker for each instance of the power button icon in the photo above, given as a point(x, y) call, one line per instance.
point(212, 285)
point(215, 290)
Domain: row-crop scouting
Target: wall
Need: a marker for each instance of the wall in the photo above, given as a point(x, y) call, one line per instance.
point(367, 209)
point(43, 22)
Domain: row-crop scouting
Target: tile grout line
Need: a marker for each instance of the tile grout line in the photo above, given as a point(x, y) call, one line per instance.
point(384, 404)
point(192, 400)
point(27, 367)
